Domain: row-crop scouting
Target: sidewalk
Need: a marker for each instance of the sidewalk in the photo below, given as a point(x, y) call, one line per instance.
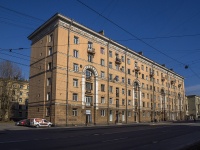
point(11, 126)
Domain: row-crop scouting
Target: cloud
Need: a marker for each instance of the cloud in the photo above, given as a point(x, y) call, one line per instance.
point(193, 90)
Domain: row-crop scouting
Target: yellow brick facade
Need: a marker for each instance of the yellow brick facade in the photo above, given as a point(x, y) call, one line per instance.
point(81, 77)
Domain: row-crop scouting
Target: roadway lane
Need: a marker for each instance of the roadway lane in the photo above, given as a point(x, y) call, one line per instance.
point(167, 137)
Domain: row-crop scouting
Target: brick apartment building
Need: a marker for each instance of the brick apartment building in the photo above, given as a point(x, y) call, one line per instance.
point(16, 92)
point(79, 76)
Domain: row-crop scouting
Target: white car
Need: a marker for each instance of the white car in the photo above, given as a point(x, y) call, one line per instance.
point(39, 122)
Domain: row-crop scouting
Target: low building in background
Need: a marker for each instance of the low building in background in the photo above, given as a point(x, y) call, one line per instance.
point(14, 95)
point(193, 107)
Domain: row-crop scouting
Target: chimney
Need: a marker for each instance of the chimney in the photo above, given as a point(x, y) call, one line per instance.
point(163, 65)
point(101, 32)
point(141, 53)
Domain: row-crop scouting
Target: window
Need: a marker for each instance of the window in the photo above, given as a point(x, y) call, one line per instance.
point(110, 100)
point(50, 37)
point(74, 112)
point(89, 45)
point(123, 91)
point(75, 67)
point(135, 95)
point(129, 113)
point(21, 93)
point(102, 74)
point(129, 81)
point(122, 69)
point(21, 86)
point(146, 69)
point(110, 53)
point(122, 57)
point(136, 64)
point(102, 62)
point(76, 53)
point(143, 104)
point(128, 61)
point(110, 77)
point(123, 80)
point(48, 96)
point(48, 81)
point(102, 88)
point(75, 82)
point(147, 96)
point(129, 102)
point(47, 111)
point(143, 95)
point(102, 100)
point(110, 64)
point(49, 66)
point(20, 99)
point(129, 71)
point(88, 86)
point(147, 86)
point(50, 51)
point(123, 102)
point(117, 67)
point(129, 92)
point(146, 77)
point(142, 67)
point(76, 40)
point(110, 89)
point(102, 50)
point(142, 76)
point(143, 85)
point(90, 57)
point(116, 78)
point(75, 97)
point(103, 113)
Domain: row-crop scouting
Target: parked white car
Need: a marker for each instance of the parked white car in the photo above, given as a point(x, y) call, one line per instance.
point(39, 122)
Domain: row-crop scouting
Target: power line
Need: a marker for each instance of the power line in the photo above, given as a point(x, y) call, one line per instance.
point(129, 32)
point(163, 37)
point(32, 17)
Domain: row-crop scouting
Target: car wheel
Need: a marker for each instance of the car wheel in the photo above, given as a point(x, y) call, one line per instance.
point(37, 126)
point(49, 126)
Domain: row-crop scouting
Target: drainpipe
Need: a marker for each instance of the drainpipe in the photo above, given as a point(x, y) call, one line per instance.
point(67, 91)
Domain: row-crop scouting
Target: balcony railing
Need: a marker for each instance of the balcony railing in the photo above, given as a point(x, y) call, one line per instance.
point(91, 51)
point(137, 68)
point(151, 73)
point(118, 60)
point(88, 92)
point(88, 104)
point(88, 78)
point(173, 81)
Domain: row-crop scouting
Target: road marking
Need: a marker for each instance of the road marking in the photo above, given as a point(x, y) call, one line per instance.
point(116, 139)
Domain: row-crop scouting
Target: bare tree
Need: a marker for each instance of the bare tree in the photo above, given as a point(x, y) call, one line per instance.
point(9, 73)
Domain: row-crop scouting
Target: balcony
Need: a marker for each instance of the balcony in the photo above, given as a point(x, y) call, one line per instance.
point(173, 81)
point(118, 60)
point(137, 68)
point(89, 78)
point(88, 104)
point(151, 73)
point(91, 51)
point(163, 78)
point(88, 92)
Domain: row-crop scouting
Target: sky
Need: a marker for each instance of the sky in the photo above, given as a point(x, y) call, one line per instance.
point(166, 31)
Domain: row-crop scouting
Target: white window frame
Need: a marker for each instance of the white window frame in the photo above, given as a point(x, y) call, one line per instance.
point(75, 82)
point(74, 112)
point(75, 67)
point(76, 40)
point(103, 113)
point(48, 96)
point(75, 97)
point(76, 53)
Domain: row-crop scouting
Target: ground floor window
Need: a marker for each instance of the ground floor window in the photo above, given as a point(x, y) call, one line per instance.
point(47, 111)
point(74, 112)
point(103, 113)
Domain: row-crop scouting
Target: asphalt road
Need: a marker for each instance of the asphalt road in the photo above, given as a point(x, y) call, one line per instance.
point(140, 137)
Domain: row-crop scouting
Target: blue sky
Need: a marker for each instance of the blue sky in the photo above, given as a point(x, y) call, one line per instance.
point(169, 29)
